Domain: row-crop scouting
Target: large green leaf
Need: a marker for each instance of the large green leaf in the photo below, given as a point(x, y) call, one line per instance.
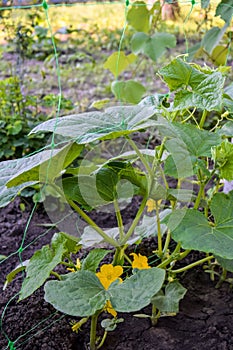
point(44, 166)
point(197, 87)
point(225, 10)
point(128, 91)
point(80, 294)
point(168, 302)
point(114, 180)
point(152, 46)
point(136, 291)
point(126, 171)
point(91, 126)
point(198, 142)
point(8, 169)
point(118, 62)
point(206, 95)
point(40, 266)
point(185, 143)
point(138, 16)
point(194, 231)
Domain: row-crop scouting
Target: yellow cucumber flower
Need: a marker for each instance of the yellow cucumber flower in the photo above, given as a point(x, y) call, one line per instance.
point(140, 262)
point(108, 307)
point(150, 205)
point(108, 274)
point(76, 325)
point(77, 265)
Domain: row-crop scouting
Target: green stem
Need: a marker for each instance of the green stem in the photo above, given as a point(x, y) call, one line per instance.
point(135, 222)
point(203, 119)
point(159, 235)
point(56, 275)
point(118, 258)
point(167, 241)
point(141, 157)
point(128, 259)
point(199, 196)
point(154, 315)
point(184, 254)
point(119, 219)
point(102, 340)
point(171, 258)
point(94, 319)
point(190, 266)
point(107, 239)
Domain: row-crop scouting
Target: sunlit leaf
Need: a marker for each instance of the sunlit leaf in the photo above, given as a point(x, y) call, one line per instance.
point(87, 127)
point(138, 16)
point(196, 87)
point(118, 62)
point(219, 55)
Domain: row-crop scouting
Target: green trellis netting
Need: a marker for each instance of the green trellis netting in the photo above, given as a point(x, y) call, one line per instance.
point(52, 9)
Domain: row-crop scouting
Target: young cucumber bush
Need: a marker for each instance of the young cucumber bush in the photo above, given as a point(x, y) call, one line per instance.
point(194, 124)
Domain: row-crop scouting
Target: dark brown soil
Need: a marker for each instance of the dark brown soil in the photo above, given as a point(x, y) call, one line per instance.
point(205, 320)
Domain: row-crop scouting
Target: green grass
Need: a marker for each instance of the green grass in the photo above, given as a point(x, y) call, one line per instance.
point(98, 30)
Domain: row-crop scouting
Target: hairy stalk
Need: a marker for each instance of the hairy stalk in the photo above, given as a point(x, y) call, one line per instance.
point(135, 222)
point(203, 119)
point(199, 196)
point(190, 266)
point(107, 239)
point(119, 219)
point(94, 319)
point(159, 235)
point(171, 258)
point(154, 315)
point(167, 241)
point(56, 275)
point(222, 278)
point(102, 340)
point(118, 258)
point(142, 158)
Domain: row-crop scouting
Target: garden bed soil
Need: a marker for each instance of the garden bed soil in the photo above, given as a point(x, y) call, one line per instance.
point(205, 320)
